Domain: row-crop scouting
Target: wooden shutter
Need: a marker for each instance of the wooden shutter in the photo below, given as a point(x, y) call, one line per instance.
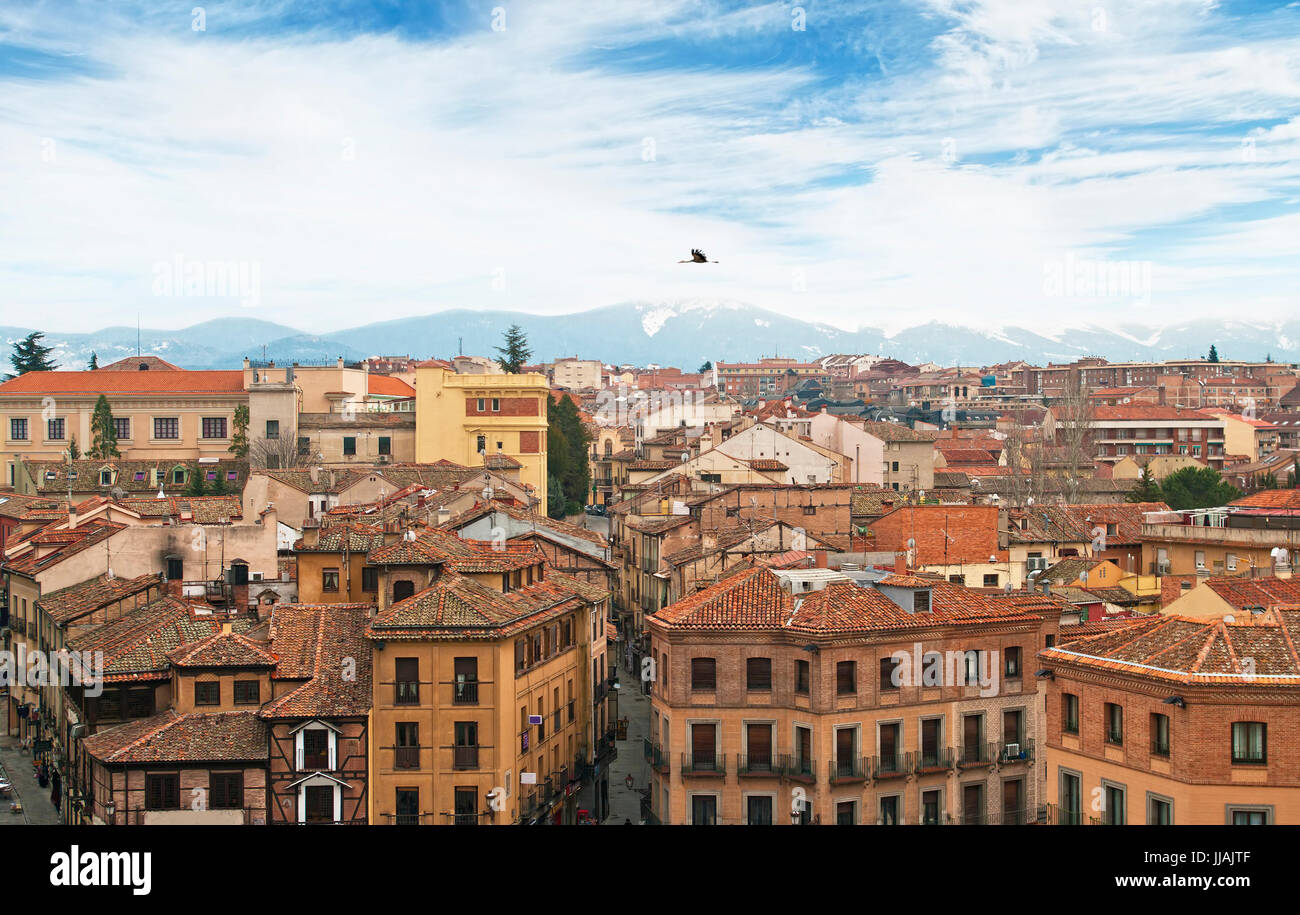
point(760, 743)
point(703, 741)
point(320, 804)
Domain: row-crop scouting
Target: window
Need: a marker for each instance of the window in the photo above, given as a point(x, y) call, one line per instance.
point(802, 677)
point(1114, 724)
point(1160, 734)
point(406, 681)
point(54, 429)
point(178, 475)
point(318, 803)
point(496, 405)
point(247, 692)
point(758, 673)
point(480, 443)
point(272, 429)
point(349, 444)
point(1249, 743)
point(991, 580)
point(758, 810)
point(466, 809)
point(1250, 816)
point(465, 684)
point(166, 427)
point(122, 426)
point(385, 444)
point(304, 444)
point(888, 667)
point(226, 790)
point(1071, 810)
point(1115, 812)
point(704, 674)
point(465, 752)
point(214, 427)
point(329, 579)
point(846, 678)
point(18, 430)
point(106, 478)
point(315, 749)
point(406, 753)
point(921, 601)
point(1160, 811)
point(482, 405)
point(846, 813)
point(370, 579)
point(1069, 713)
point(162, 792)
point(1012, 658)
point(407, 806)
point(207, 692)
point(889, 810)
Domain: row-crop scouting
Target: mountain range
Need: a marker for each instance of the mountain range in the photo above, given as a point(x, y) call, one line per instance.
point(683, 333)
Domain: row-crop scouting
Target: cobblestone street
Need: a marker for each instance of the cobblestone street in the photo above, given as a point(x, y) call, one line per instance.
point(625, 804)
point(37, 809)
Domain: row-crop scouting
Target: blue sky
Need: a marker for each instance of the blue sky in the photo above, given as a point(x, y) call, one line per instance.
point(885, 164)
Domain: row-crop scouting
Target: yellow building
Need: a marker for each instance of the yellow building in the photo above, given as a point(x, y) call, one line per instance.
point(470, 418)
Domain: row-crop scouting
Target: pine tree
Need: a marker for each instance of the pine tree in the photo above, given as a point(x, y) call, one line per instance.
point(567, 443)
point(1214, 354)
point(1146, 490)
point(516, 352)
point(103, 444)
point(94, 361)
point(196, 486)
point(239, 440)
point(707, 367)
point(1197, 487)
point(30, 355)
point(74, 453)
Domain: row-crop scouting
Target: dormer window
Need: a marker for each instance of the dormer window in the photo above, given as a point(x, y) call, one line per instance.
point(106, 477)
point(921, 601)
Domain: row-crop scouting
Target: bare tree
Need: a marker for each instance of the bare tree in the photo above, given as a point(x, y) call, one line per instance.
point(276, 454)
point(1074, 423)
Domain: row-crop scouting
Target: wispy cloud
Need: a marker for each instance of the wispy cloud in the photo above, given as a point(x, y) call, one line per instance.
point(885, 165)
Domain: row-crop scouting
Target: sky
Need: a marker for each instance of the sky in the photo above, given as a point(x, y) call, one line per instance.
point(328, 164)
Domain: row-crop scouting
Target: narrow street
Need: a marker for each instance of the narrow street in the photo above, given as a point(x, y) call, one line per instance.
point(37, 809)
point(625, 804)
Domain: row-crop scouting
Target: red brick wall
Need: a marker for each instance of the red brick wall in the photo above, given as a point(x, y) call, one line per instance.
point(510, 406)
point(530, 442)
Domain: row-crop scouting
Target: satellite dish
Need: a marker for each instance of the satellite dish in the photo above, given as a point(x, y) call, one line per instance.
point(118, 493)
point(1007, 588)
point(1229, 618)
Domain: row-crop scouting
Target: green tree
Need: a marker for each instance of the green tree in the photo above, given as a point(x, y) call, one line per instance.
point(196, 485)
point(516, 352)
point(74, 453)
point(707, 367)
point(239, 439)
point(103, 443)
point(219, 487)
point(1146, 490)
point(1214, 354)
point(567, 443)
point(1293, 475)
point(94, 361)
point(30, 355)
point(1197, 487)
point(1267, 481)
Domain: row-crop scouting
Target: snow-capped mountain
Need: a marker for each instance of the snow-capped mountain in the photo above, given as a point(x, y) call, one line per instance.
point(684, 333)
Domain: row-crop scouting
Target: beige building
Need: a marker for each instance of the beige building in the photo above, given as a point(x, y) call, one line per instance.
point(577, 374)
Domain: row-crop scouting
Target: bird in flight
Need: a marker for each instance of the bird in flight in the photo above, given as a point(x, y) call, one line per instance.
point(697, 257)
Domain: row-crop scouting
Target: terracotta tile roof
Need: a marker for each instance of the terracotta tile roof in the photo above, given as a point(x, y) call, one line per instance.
point(136, 645)
point(18, 506)
point(754, 599)
point(172, 737)
point(133, 363)
point(1070, 569)
point(1270, 498)
point(543, 522)
point(767, 464)
point(134, 477)
point(388, 386)
point(78, 600)
point(1241, 593)
point(224, 649)
point(1126, 516)
point(327, 481)
point(200, 509)
point(1045, 524)
point(1194, 651)
point(944, 534)
point(951, 479)
point(644, 464)
point(124, 384)
point(66, 544)
point(325, 645)
point(456, 607)
point(897, 432)
point(357, 538)
point(438, 547)
point(958, 456)
point(1125, 412)
point(873, 502)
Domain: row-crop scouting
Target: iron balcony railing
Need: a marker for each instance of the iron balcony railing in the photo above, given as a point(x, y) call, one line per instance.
point(1056, 815)
point(975, 754)
point(464, 757)
point(654, 754)
point(934, 759)
point(754, 764)
point(896, 765)
point(1016, 752)
point(1159, 746)
point(799, 768)
point(406, 692)
point(464, 692)
point(848, 770)
point(606, 748)
point(710, 764)
point(408, 819)
point(406, 757)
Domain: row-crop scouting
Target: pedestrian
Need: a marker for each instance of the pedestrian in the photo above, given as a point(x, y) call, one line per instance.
point(627, 821)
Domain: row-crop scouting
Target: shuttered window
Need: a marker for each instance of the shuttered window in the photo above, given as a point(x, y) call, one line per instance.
point(226, 790)
point(163, 792)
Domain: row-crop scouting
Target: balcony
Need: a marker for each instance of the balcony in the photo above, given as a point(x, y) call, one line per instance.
point(654, 755)
point(754, 765)
point(848, 770)
point(712, 764)
point(406, 692)
point(897, 765)
point(1018, 751)
point(974, 755)
point(934, 759)
point(1159, 746)
point(798, 768)
point(464, 758)
point(464, 692)
point(607, 749)
point(1056, 815)
point(407, 819)
point(406, 757)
